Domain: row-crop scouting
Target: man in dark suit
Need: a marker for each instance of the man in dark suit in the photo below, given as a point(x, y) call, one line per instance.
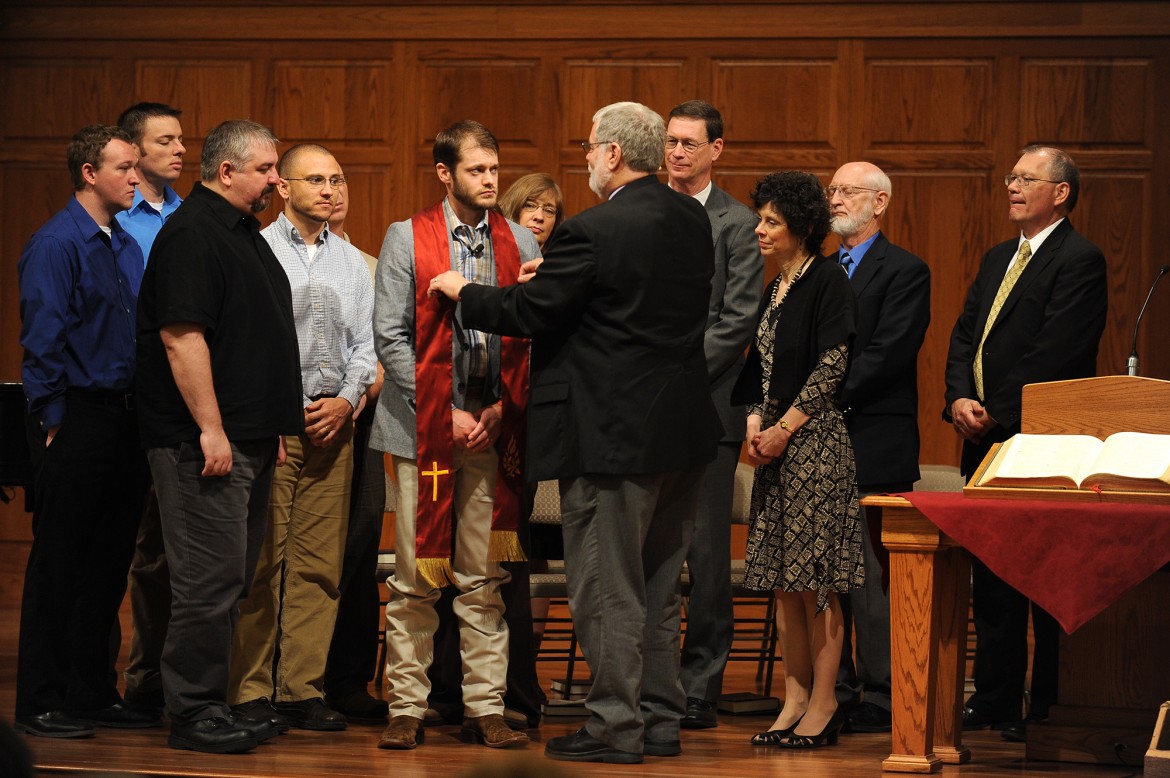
point(620, 411)
point(880, 398)
point(1035, 313)
point(694, 140)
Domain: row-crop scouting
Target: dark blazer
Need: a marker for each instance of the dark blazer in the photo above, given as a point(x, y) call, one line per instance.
point(880, 395)
point(735, 299)
point(1048, 329)
point(616, 315)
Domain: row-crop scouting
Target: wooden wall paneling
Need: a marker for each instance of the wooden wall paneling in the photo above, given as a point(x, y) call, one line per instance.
point(334, 101)
point(1112, 213)
point(55, 97)
point(208, 89)
point(41, 189)
point(939, 215)
point(783, 107)
point(939, 103)
point(1086, 101)
point(369, 211)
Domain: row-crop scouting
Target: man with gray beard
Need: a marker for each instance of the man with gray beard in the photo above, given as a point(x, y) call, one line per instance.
point(620, 412)
point(880, 402)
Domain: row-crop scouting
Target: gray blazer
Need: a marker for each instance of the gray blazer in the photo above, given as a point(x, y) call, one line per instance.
point(735, 300)
point(394, 421)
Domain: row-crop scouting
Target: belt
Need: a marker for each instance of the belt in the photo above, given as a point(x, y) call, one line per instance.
point(120, 401)
point(323, 396)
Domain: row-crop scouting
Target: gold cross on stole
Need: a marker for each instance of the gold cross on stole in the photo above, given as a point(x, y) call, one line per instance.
point(435, 472)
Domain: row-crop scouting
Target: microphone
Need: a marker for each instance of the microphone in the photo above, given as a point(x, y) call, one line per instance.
point(477, 252)
point(1132, 362)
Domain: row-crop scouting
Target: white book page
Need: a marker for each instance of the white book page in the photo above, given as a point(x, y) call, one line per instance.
point(1042, 456)
point(1133, 454)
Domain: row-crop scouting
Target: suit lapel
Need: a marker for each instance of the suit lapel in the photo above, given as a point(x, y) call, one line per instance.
point(870, 266)
point(716, 207)
point(1036, 265)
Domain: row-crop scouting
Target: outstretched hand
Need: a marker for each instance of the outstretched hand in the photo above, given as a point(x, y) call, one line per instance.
point(450, 284)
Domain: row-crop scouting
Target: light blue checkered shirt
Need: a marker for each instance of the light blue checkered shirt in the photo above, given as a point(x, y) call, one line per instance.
point(477, 270)
point(333, 307)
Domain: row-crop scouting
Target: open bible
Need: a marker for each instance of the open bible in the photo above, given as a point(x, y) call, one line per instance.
point(1123, 462)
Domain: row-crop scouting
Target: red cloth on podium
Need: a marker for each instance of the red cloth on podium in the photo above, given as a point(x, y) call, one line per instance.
point(1073, 559)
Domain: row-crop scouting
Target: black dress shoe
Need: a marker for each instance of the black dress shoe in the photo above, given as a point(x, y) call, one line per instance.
point(211, 736)
point(360, 707)
point(260, 710)
point(312, 714)
point(868, 717)
point(1017, 731)
point(121, 716)
point(973, 719)
point(700, 714)
point(261, 729)
point(583, 747)
point(53, 723)
point(662, 748)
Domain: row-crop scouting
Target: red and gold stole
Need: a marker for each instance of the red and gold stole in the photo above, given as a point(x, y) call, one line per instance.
point(433, 397)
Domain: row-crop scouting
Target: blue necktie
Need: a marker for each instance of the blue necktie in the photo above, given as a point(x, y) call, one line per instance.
point(846, 263)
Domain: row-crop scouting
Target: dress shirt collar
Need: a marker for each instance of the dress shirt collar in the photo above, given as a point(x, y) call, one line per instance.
point(290, 233)
point(223, 211)
point(1037, 239)
point(857, 253)
point(453, 221)
point(170, 201)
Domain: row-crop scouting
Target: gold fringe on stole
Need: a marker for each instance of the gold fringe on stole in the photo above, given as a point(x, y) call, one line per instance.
point(436, 571)
point(504, 546)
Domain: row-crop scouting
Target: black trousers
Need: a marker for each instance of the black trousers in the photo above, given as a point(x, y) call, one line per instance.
point(89, 491)
point(353, 652)
point(1001, 649)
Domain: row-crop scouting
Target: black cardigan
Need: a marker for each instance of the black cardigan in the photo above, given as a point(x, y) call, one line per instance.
point(818, 313)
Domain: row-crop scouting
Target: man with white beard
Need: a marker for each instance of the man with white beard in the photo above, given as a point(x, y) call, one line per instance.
point(880, 402)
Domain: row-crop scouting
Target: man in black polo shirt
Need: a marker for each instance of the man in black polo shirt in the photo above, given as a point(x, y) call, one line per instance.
point(219, 378)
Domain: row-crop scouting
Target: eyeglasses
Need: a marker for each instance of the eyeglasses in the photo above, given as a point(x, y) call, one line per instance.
point(549, 210)
point(1025, 182)
point(587, 147)
point(848, 192)
point(318, 182)
point(689, 146)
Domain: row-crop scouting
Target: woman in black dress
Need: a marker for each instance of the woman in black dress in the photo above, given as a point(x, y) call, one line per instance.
point(804, 540)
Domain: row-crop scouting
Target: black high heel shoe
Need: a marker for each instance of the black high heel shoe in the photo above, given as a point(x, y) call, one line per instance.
point(826, 737)
point(773, 737)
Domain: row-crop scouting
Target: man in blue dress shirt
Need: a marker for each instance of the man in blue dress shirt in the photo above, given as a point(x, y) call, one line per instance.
point(154, 128)
point(79, 277)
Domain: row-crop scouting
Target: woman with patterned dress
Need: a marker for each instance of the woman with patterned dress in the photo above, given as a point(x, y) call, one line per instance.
point(804, 540)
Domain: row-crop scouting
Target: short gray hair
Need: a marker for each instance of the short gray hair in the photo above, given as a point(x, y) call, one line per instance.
point(232, 142)
point(639, 132)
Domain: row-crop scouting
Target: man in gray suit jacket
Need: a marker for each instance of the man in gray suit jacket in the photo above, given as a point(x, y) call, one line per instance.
point(694, 140)
point(621, 413)
point(455, 492)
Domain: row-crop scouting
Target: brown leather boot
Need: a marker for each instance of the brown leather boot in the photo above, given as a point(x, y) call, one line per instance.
point(403, 732)
point(492, 731)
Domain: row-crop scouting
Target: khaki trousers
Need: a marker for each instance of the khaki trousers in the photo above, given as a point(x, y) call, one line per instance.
point(308, 514)
point(410, 613)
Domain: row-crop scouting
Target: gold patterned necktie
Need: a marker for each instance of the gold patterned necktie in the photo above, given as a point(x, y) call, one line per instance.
point(1005, 288)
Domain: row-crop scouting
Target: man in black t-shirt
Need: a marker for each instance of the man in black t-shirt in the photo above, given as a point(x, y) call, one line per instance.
point(219, 382)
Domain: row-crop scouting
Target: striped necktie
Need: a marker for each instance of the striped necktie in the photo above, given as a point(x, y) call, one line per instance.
point(846, 263)
point(1005, 288)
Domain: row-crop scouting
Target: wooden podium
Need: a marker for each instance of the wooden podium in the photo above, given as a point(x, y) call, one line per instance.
point(1113, 671)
